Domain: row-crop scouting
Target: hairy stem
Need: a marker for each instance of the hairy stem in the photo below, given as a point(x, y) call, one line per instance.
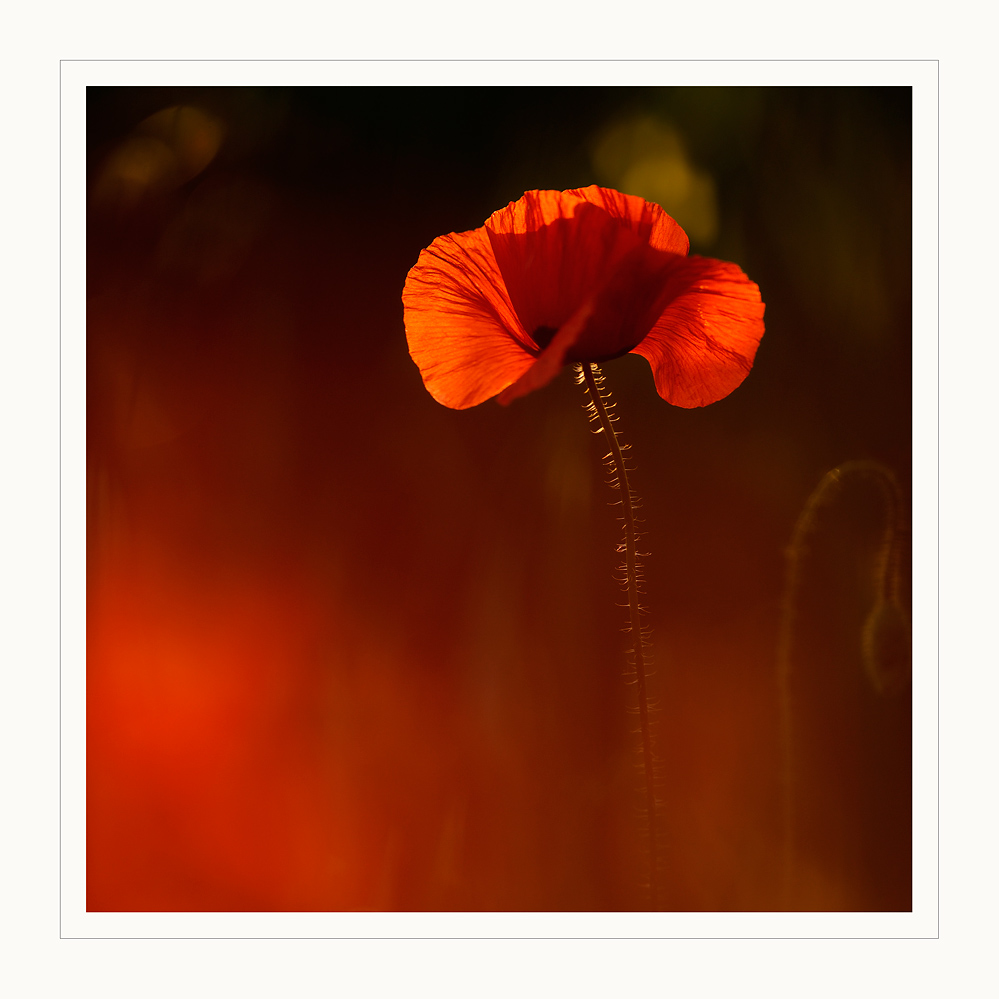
point(599, 411)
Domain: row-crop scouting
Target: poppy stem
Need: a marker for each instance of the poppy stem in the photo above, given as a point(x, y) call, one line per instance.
point(639, 659)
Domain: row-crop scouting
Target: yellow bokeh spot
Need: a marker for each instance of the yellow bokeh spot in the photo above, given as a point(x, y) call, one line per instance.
point(646, 157)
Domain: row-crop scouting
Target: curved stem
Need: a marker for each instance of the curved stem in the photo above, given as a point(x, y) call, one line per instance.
point(887, 574)
point(615, 460)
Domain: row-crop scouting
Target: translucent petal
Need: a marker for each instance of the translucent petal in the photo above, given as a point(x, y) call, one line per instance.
point(703, 344)
point(462, 330)
point(557, 249)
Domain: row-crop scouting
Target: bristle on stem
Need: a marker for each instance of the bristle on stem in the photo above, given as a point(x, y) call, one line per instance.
point(629, 577)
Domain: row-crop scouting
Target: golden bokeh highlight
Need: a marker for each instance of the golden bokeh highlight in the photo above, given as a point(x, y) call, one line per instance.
point(646, 156)
point(165, 150)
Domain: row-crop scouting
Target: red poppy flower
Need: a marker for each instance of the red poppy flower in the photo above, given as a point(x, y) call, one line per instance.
point(583, 275)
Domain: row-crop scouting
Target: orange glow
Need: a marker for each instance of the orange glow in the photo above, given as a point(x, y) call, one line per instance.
point(191, 135)
point(234, 762)
point(584, 275)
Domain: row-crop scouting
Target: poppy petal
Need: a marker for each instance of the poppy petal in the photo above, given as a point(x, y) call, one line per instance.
point(703, 344)
point(557, 248)
point(463, 333)
point(651, 223)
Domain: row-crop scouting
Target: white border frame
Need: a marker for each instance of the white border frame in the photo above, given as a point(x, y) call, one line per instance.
point(922, 922)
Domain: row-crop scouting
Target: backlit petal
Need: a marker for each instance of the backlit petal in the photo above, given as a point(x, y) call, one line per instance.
point(703, 344)
point(556, 249)
point(462, 330)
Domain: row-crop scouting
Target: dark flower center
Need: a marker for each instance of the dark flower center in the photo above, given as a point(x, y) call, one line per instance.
point(542, 336)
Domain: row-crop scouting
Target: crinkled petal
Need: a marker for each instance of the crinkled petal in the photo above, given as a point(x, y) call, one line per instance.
point(703, 344)
point(463, 332)
point(556, 249)
point(651, 223)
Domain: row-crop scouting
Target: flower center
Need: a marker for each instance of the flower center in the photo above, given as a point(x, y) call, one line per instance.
point(542, 336)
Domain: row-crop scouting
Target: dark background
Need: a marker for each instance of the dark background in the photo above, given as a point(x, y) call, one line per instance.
point(348, 649)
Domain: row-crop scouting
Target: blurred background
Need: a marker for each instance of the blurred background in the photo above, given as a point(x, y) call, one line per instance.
point(348, 649)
